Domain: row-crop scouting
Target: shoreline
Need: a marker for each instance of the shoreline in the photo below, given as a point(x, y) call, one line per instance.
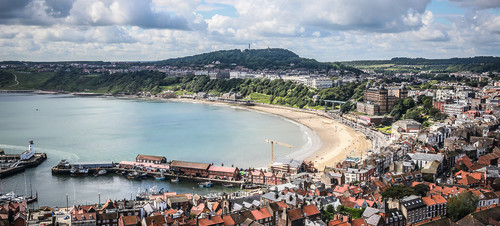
point(328, 145)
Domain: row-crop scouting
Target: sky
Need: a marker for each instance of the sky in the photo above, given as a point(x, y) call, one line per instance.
point(326, 30)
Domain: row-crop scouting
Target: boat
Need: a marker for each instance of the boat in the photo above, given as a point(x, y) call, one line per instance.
point(100, 172)
point(175, 180)
point(132, 175)
point(228, 185)
point(141, 176)
point(79, 171)
point(160, 177)
point(144, 195)
point(206, 184)
point(32, 198)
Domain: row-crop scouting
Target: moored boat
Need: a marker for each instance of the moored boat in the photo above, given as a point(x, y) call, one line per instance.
point(175, 180)
point(206, 184)
point(160, 177)
point(100, 172)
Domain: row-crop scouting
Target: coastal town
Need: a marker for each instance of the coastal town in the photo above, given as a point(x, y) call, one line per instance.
point(390, 170)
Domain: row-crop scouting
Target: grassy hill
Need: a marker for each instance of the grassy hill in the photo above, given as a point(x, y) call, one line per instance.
point(253, 59)
point(477, 64)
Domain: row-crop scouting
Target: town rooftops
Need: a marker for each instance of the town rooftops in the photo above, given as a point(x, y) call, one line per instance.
point(310, 210)
point(295, 214)
point(286, 161)
point(191, 165)
point(412, 202)
point(426, 157)
point(260, 214)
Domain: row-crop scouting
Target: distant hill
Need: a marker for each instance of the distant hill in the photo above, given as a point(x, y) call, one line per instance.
point(253, 59)
point(474, 64)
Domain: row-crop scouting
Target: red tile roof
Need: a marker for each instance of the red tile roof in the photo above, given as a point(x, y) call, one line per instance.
point(228, 220)
point(260, 214)
point(467, 180)
point(428, 201)
point(295, 214)
point(130, 220)
point(310, 210)
point(222, 169)
point(439, 199)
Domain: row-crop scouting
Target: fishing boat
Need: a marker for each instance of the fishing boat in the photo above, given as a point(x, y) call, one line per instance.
point(144, 195)
point(160, 177)
point(141, 176)
point(79, 171)
point(206, 184)
point(132, 175)
point(100, 172)
point(175, 180)
point(31, 198)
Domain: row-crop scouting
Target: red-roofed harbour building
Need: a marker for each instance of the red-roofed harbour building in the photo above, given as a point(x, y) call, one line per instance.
point(222, 172)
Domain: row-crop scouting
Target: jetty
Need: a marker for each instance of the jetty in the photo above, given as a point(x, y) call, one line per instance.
point(153, 167)
point(11, 164)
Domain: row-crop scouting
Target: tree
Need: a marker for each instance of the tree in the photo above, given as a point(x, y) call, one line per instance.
point(330, 209)
point(421, 189)
point(397, 192)
point(461, 205)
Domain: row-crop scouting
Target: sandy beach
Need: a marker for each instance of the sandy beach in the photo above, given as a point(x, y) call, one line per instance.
point(336, 140)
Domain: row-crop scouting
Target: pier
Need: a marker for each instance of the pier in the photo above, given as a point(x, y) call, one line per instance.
point(12, 164)
point(117, 170)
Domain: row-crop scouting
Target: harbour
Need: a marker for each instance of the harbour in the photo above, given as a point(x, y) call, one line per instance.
point(183, 131)
point(11, 164)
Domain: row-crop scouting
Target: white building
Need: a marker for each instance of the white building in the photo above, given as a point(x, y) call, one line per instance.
point(321, 83)
point(352, 175)
point(421, 159)
point(29, 153)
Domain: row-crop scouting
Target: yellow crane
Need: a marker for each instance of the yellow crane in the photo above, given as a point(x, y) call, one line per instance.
point(278, 143)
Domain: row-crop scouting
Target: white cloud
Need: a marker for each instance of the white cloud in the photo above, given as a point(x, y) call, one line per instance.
point(327, 30)
point(478, 4)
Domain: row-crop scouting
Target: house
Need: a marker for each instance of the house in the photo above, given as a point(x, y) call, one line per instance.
point(129, 221)
point(356, 175)
point(407, 128)
point(211, 220)
point(156, 220)
point(440, 207)
point(412, 207)
point(262, 216)
point(150, 159)
point(311, 212)
point(287, 165)
point(295, 217)
point(256, 177)
point(178, 202)
point(421, 159)
point(83, 218)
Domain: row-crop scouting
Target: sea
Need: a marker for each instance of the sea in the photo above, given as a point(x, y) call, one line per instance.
point(109, 129)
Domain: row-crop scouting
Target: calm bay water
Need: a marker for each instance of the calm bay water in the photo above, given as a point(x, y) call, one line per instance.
point(83, 129)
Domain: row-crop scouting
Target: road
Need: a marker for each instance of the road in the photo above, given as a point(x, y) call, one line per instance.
point(15, 79)
point(378, 139)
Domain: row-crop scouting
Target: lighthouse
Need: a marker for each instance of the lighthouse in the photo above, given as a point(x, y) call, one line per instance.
point(28, 153)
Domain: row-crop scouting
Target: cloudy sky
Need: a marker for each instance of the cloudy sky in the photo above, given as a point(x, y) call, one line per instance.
point(326, 30)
